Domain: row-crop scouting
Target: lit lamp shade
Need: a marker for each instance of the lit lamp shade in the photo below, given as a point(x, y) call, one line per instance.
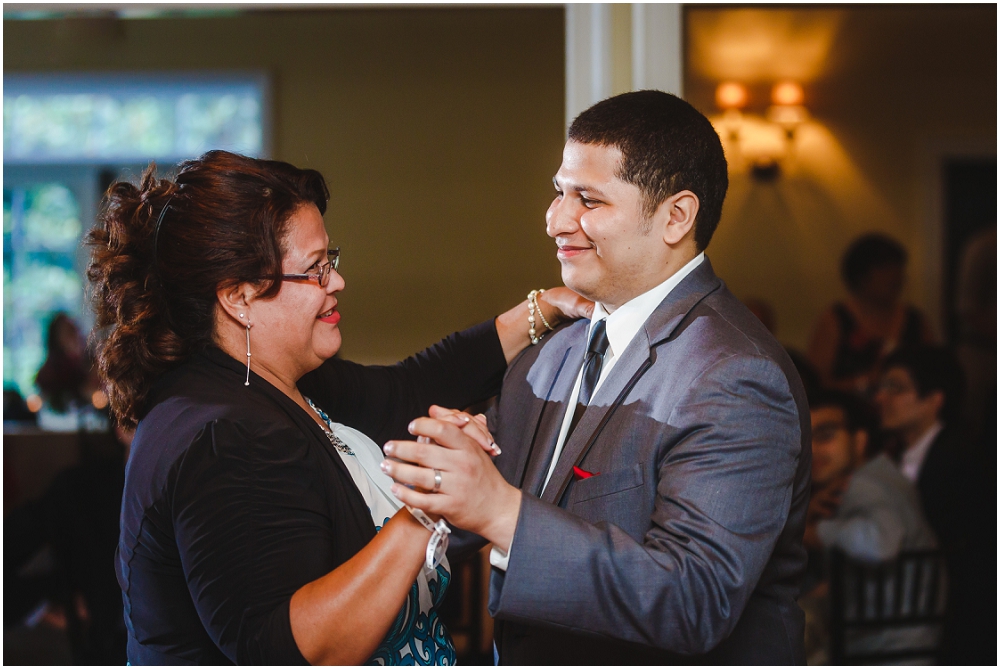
point(731, 95)
point(787, 109)
point(787, 93)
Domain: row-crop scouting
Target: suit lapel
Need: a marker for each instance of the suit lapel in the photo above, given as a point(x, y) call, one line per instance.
point(547, 415)
point(635, 361)
point(604, 402)
point(682, 299)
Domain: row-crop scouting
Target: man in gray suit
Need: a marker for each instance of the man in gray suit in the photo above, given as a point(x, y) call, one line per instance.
point(655, 464)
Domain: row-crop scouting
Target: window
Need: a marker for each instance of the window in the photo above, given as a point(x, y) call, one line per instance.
point(65, 139)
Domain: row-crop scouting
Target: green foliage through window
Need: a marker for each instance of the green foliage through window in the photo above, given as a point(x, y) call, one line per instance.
point(41, 233)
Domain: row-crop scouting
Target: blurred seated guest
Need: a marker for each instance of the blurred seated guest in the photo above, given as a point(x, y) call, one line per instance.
point(255, 528)
point(863, 506)
point(860, 505)
point(920, 400)
point(67, 376)
point(852, 338)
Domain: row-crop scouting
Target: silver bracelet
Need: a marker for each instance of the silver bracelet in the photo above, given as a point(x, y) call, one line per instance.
point(437, 545)
point(532, 308)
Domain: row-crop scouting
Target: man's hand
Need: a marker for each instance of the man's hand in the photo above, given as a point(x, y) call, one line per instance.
point(473, 495)
point(823, 504)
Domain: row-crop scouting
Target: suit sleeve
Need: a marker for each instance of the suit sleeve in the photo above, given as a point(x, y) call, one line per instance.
point(248, 537)
point(460, 370)
point(723, 494)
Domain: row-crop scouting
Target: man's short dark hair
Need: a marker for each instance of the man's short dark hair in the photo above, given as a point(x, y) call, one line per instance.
point(933, 369)
point(866, 253)
point(667, 146)
point(858, 414)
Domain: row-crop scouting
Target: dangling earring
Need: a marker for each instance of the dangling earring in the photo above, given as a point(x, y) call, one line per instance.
point(248, 352)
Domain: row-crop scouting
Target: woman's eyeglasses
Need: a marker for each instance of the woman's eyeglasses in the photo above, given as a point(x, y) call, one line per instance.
point(322, 276)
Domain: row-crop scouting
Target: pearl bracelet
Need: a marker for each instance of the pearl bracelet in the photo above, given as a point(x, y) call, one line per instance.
point(532, 308)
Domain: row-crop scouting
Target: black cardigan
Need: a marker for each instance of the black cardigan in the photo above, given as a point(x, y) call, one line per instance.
point(234, 498)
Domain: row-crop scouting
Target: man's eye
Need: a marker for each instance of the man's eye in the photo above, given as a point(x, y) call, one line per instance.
point(588, 203)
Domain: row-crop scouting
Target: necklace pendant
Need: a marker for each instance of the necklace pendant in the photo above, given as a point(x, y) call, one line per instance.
point(337, 442)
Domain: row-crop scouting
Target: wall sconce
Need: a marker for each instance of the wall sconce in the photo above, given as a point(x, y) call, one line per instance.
point(763, 139)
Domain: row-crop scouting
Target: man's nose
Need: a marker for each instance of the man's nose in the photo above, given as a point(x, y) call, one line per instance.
point(561, 219)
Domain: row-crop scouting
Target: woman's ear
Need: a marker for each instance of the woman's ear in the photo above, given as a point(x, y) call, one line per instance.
point(678, 213)
point(236, 300)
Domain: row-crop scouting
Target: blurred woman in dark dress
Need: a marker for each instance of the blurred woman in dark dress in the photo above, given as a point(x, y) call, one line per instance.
point(853, 337)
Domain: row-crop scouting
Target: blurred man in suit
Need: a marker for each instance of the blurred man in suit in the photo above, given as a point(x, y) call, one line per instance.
point(656, 457)
point(920, 400)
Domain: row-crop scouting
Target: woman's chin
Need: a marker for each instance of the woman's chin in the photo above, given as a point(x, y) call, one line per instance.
point(329, 345)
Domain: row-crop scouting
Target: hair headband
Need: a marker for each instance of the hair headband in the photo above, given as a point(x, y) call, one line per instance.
point(156, 231)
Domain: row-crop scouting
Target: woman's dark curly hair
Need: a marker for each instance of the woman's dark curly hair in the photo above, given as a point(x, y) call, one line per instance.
point(162, 249)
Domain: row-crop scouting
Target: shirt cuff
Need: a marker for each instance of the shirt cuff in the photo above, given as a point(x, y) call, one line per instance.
point(498, 558)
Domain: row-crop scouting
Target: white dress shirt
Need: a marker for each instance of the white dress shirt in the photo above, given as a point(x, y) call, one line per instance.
point(913, 457)
point(622, 326)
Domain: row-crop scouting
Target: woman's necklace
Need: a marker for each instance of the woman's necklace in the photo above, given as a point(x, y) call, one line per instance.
point(337, 442)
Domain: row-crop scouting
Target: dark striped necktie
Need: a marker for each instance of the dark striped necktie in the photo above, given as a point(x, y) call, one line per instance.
point(592, 365)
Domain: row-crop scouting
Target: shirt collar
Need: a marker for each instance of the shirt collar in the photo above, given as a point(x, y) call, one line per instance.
point(625, 322)
point(913, 457)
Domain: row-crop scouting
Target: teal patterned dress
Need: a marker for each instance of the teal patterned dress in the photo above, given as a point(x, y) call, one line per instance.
point(417, 636)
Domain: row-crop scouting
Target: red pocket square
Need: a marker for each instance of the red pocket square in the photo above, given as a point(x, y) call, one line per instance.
point(580, 474)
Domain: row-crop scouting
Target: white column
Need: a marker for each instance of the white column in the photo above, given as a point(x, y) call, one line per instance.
point(657, 55)
point(588, 56)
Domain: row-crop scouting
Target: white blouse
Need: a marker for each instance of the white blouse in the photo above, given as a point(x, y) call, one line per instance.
point(417, 636)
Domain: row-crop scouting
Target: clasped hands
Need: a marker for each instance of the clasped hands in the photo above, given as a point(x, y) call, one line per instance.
point(472, 494)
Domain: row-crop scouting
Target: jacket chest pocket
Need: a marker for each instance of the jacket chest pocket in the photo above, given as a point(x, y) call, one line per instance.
point(606, 484)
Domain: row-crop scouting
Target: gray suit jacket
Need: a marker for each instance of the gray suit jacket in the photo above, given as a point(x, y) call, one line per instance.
point(688, 538)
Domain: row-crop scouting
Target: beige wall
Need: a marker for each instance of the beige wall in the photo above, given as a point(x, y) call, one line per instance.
point(890, 90)
point(438, 131)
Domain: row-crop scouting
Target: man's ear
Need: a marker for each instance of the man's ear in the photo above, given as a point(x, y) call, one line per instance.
point(678, 213)
point(236, 300)
point(936, 400)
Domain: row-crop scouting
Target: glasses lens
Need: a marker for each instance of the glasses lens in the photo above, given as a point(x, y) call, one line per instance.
point(333, 255)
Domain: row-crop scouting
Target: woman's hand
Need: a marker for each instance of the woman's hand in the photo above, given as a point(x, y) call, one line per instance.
point(558, 305)
point(566, 305)
point(473, 426)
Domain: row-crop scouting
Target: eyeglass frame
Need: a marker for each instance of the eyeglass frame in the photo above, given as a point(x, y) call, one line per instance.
point(895, 388)
point(323, 278)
